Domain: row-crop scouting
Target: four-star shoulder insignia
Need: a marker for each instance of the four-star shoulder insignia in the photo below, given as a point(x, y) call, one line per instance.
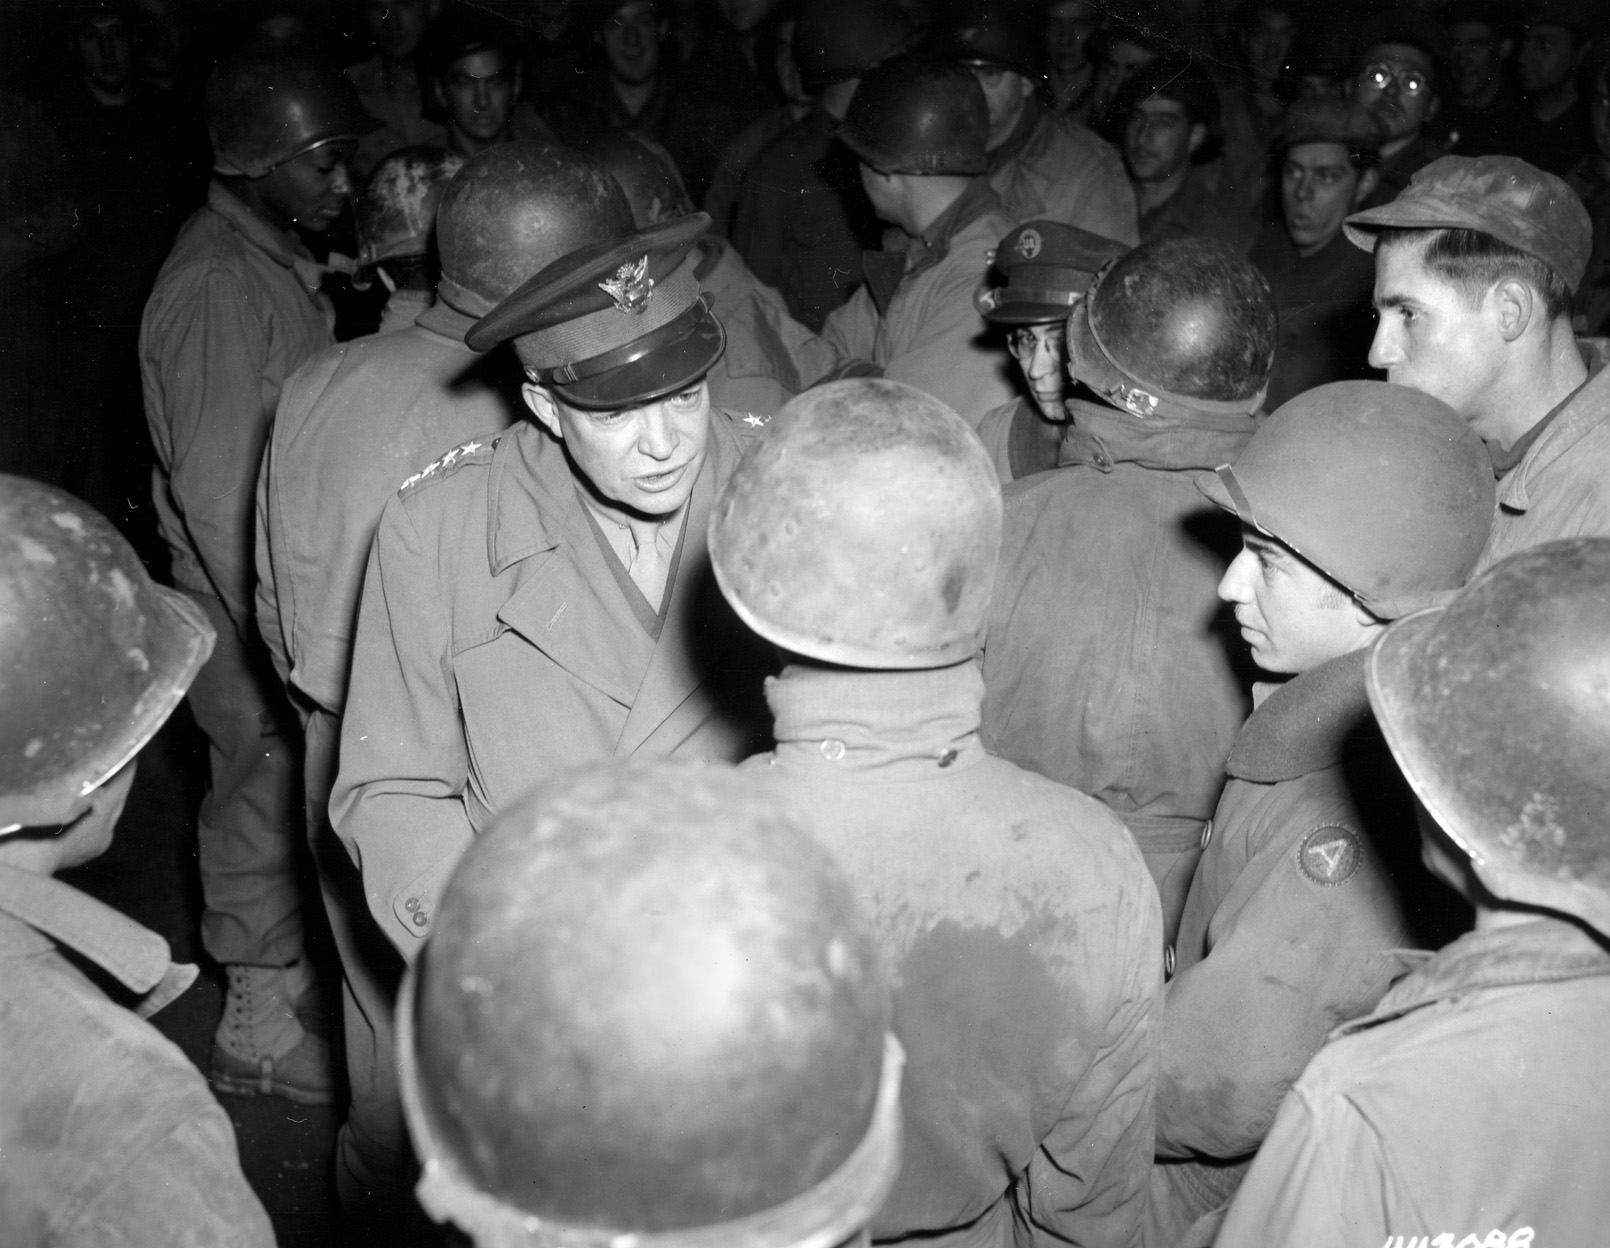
point(458, 455)
point(1330, 855)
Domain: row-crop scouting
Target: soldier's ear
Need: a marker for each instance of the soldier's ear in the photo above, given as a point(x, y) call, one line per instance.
point(541, 402)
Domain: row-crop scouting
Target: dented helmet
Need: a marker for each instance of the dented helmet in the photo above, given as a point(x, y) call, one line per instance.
point(396, 209)
point(94, 656)
point(863, 529)
point(1497, 709)
point(650, 1013)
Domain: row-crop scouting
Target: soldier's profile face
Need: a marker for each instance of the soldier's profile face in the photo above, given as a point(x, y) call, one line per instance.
point(1292, 616)
point(1430, 335)
point(644, 459)
point(1042, 354)
point(312, 189)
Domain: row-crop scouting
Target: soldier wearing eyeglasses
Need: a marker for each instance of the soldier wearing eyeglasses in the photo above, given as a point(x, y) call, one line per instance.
point(1397, 81)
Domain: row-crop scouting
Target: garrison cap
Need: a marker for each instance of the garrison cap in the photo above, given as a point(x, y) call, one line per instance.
point(618, 323)
point(1048, 268)
point(1503, 196)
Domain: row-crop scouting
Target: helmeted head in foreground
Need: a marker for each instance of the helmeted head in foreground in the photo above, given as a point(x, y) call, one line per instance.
point(1497, 708)
point(863, 529)
point(650, 1013)
point(94, 655)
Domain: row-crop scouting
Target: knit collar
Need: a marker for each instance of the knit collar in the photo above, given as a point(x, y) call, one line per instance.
point(1309, 723)
point(878, 726)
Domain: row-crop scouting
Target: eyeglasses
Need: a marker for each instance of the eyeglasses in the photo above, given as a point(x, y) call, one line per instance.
point(1410, 81)
point(1024, 341)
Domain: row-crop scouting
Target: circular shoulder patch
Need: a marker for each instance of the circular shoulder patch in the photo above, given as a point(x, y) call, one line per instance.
point(1330, 855)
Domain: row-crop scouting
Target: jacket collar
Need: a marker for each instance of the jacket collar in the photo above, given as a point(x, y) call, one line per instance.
point(1589, 409)
point(1102, 437)
point(135, 956)
point(1307, 724)
point(282, 248)
point(1546, 950)
point(446, 320)
point(904, 256)
point(878, 725)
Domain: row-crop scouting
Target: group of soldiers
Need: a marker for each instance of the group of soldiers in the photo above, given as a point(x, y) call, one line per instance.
point(783, 788)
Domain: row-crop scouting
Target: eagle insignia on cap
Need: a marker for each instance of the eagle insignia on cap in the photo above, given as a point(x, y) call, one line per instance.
point(1028, 244)
point(631, 288)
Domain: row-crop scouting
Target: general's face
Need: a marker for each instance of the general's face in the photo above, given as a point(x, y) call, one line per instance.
point(1318, 188)
point(644, 459)
point(1159, 139)
point(1547, 58)
point(1428, 336)
point(106, 50)
point(1396, 84)
point(1290, 614)
point(1068, 27)
point(1042, 354)
point(478, 91)
point(1005, 93)
point(312, 190)
point(632, 38)
point(398, 25)
point(1476, 54)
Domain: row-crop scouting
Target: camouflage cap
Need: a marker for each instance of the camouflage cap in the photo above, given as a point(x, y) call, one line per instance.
point(1048, 268)
point(1503, 196)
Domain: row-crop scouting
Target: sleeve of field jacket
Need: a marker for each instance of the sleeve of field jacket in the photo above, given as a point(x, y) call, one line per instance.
point(1104, 203)
point(1317, 1181)
point(946, 356)
point(852, 328)
point(267, 599)
point(398, 800)
point(213, 356)
point(1087, 1182)
point(1240, 1025)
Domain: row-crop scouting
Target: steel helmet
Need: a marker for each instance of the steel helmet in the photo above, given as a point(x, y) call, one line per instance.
point(512, 211)
point(396, 209)
point(836, 40)
point(862, 529)
point(1497, 708)
point(646, 172)
point(93, 655)
point(919, 113)
point(269, 103)
point(1386, 490)
point(1176, 326)
point(994, 34)
point(650, 1013)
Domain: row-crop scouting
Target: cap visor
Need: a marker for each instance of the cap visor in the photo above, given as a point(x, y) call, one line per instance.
point(665, 370)
point(1028, 313)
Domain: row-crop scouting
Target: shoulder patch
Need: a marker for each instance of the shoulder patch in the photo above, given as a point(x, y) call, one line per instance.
point(481, 448)
point(1330, 855)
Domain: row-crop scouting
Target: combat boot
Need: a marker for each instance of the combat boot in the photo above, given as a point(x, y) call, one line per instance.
point(261, 1047)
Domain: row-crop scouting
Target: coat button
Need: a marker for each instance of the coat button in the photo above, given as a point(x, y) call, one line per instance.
point(412, 903)
point(948, 757)
point(1207, 833)
point(419, 918)
point(1168, 961)
point(832, 750)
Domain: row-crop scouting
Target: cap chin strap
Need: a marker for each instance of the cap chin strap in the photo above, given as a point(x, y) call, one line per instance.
point(834, 1212)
